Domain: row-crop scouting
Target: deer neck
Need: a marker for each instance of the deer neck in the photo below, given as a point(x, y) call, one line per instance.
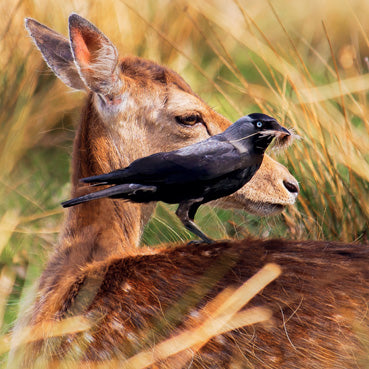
point(97, 230)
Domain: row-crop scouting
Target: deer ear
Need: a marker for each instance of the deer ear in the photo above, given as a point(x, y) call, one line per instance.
point(95, 56)
point(57, 53)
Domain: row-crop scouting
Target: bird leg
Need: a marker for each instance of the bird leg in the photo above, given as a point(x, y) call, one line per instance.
point(186, 213)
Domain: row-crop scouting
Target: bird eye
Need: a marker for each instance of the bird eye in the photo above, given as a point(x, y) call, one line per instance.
point(189, 120)
point(259, 124)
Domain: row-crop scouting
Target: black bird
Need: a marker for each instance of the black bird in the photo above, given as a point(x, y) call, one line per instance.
point(195, 174)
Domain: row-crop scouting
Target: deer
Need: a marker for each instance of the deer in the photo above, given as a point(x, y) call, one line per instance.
point(136, 107)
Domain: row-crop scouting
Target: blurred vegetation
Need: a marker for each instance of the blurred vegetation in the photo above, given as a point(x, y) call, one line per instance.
point(305, 63)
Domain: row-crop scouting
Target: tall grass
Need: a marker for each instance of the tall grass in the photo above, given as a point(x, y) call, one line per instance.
point(303, 62)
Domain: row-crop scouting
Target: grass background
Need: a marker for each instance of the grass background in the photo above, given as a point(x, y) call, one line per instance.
point(305, 63)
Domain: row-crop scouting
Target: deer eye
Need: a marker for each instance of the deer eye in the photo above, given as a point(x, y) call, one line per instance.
point(189, 120)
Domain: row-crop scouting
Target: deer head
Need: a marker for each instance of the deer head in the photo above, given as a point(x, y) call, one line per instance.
point(135, 107)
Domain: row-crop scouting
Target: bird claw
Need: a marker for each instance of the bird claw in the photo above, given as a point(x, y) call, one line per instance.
point(194, 242)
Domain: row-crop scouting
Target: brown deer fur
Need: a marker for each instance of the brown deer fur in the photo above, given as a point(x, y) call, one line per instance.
point(319, 304)
point(131, 112)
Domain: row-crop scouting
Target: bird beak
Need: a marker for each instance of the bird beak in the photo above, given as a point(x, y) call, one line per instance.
point(284, 137)
point(284, 130)
point(277, 131)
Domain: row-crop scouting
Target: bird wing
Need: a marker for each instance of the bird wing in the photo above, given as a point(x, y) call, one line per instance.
point(199, 162)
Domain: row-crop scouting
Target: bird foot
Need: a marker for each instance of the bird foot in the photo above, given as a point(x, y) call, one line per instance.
point(194, 242)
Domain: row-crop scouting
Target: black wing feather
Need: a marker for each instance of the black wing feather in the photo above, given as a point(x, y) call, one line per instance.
point(198, 162)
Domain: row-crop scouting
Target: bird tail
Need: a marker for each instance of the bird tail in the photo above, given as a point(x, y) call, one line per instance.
point(119, 191)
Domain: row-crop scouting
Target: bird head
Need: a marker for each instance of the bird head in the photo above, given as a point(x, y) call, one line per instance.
point(256, 131)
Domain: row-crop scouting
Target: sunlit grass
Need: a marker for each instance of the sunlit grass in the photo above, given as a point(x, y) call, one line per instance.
point(302, 62)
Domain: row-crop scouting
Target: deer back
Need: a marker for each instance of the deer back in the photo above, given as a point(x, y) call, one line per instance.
point(318, 306)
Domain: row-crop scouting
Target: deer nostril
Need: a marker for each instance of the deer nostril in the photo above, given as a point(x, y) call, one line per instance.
point(291, 187)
